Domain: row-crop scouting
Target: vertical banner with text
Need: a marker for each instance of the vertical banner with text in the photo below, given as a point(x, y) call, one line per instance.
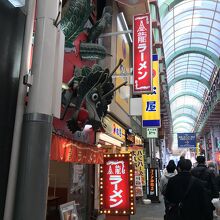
point(138, 159)
point(142, 53)
point(152, 184)
point(117, 185)
point(151, 102)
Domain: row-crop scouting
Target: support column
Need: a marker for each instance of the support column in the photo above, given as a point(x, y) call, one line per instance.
point(153, 156)
point(213, 143)
point(150, 152)
point(31, 196)
point(204, 143)
point(25, 65)
point(147, 152)
point(32, 182)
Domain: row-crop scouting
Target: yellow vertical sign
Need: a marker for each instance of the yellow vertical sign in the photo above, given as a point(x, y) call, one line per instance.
point(197, 149)
point(138, 159)
point(151, 102)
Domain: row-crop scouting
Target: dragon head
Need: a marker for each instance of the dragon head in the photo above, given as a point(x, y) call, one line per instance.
point(94, 93)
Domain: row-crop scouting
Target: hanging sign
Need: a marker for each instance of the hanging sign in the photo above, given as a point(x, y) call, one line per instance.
point(152, 184)
point(197, 149)
point(117, 185)
point(142, 53)
point(152, 132)
point(151, 102)
point(186, 140)
point(138, 159)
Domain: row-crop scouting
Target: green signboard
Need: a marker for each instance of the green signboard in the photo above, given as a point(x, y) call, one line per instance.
point(152, 132)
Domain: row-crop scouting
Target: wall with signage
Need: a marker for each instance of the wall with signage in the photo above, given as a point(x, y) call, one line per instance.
point(117, 185)
point(122, 96)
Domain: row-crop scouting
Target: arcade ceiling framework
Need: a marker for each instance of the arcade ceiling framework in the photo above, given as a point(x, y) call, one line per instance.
point(186, 36)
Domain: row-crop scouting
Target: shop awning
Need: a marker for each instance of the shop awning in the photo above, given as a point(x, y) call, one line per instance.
point(66, 150)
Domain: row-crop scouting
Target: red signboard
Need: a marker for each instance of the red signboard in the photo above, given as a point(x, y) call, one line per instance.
point(66, 150)
point(142, 54)
point(117, 185)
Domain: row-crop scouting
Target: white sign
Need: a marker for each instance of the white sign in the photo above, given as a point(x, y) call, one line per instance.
point(152, 132)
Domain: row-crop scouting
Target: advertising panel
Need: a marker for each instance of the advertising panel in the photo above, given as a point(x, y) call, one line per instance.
point(186, 140)
point(138, 159)
point(142, 53)
point(68, 211)
point(138, 186)
point(117, 185)
point(152, 183)
point(151, 102)
point(114, 129)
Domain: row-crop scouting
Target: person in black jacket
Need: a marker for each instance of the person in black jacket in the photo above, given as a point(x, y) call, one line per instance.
point(206, 176)
point(194, 204)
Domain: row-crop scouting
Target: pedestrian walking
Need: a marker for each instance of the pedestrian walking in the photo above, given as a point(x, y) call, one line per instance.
point(206, 176)
point(187, 198)
point(169, 172)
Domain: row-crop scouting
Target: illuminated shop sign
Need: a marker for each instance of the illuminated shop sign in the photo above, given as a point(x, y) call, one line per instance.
point(114, 129)
point(152, 183)
point(151, 102)
point(117, 185)
point(142, 53)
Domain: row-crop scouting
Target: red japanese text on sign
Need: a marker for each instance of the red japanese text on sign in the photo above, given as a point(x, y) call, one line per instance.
point(142, 54)
point(115, 180)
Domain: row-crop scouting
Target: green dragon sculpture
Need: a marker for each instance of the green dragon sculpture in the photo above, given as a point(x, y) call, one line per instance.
point(76, 14)
point(90, 92)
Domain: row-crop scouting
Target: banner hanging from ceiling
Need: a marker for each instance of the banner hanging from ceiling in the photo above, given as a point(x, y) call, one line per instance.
point(186, 140)
point(142, 53)
point(151, 102)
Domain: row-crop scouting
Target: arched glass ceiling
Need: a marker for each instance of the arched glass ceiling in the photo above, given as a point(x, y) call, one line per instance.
point(181, 129)
point(191, 41)
point(194, 64)
point(184, 111)
point(182, 123)
point(185, 100)
point(192, 24)
point(187, 85)
point(185, 126)
point(183, 119)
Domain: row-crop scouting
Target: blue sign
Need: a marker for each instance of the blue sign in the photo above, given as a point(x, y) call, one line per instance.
point(186, 140)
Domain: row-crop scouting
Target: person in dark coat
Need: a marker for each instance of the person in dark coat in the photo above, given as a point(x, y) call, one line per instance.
point(195, 205)
point(206, 176)
point(181, 158)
